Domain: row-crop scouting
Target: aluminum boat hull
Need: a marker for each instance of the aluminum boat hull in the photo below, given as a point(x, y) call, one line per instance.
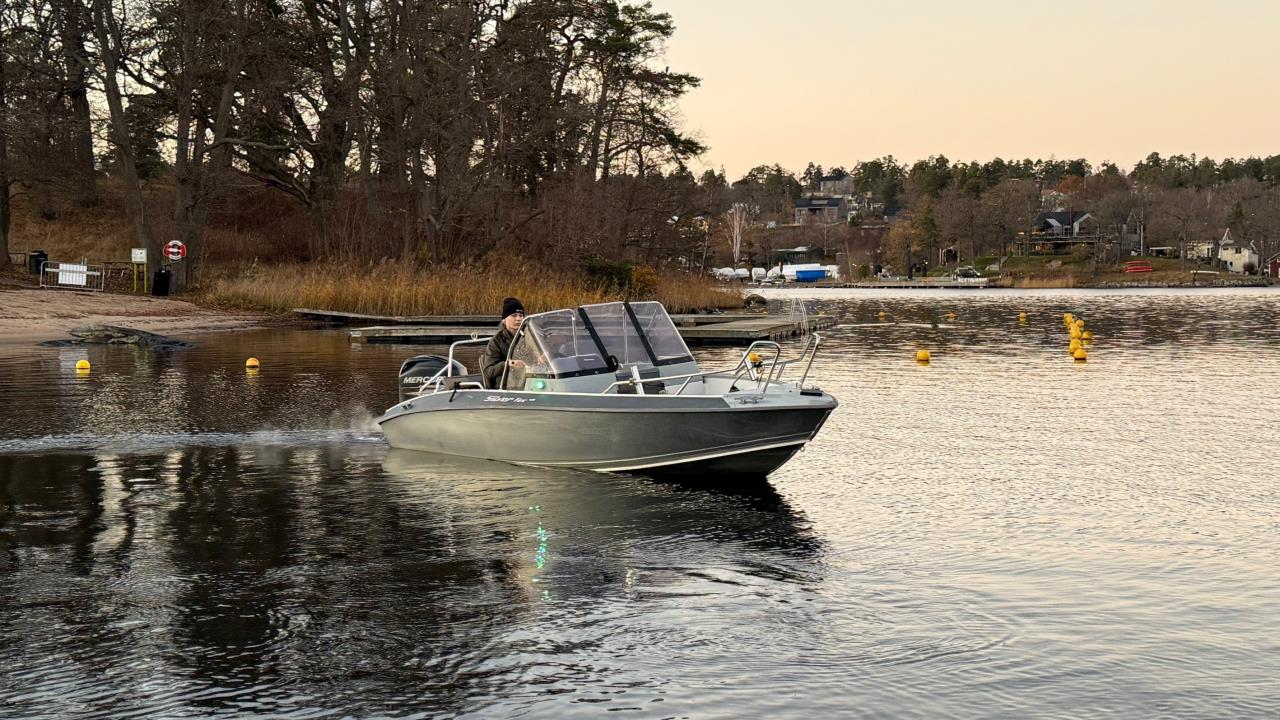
point(736, 434)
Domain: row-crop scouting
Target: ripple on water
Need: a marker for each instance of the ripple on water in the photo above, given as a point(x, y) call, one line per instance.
point(1003, 533)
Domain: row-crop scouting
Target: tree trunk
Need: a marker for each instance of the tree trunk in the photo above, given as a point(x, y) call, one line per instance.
point(184, 179)
point(6, 215)
point(77, 62)
point(107, 29)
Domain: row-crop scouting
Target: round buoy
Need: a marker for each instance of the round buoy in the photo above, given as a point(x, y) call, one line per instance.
point(1074, 345)
point(922, 356)
point(951, 316)
point(82, 366)
point(252, 363)
point(1086, 335)
point(1079, 323)
point(1074, 332)
point(881, 314)
point(1068, 318)
point(1080, 355)
point(1022, 317)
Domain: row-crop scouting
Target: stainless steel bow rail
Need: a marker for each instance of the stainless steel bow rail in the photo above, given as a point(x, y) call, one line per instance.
point(745, 366)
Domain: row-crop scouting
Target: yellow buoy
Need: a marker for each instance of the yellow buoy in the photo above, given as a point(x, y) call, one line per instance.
point(951, 316)
point(1074, 332)
point(1079, 323)
point(82, 366)
point(1073, 346)
point(922, 356)
point(1068, 318)
point(252, 363)
point(1080, 355)
point(1087, 335)
point(881, 314)
point(1022, 317)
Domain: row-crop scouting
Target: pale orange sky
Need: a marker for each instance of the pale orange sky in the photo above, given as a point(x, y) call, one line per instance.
point(836, 82)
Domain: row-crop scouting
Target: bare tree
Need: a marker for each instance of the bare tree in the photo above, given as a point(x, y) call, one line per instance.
point(110, 35)
point(738, 220)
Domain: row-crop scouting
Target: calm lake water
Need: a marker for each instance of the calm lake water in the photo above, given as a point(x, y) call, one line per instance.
point(1003, 533)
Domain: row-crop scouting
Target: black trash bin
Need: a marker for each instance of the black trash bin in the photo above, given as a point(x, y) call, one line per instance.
point(35, 259)
point(160, 281)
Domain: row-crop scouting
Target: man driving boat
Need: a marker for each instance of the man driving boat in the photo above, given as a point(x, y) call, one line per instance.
point(494, 362)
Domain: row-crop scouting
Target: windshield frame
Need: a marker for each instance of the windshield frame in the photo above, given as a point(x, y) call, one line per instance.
point(604, 362)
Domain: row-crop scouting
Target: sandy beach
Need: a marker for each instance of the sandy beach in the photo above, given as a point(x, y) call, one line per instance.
point(29, 316)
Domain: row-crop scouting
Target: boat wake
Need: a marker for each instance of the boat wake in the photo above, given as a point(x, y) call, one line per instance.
point(141, 443)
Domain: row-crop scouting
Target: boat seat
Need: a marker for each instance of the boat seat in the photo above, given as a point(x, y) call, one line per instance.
point(651, 387)
point(452, 383)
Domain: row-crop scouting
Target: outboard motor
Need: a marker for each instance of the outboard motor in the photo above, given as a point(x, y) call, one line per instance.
point(417, 370)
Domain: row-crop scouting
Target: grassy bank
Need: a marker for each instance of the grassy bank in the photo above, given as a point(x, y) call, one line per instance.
point(1066, 271)
point(397, 290)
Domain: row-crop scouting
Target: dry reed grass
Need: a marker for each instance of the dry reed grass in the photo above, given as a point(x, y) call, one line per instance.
point(1043, 282)
point(255, 251)
point(399, 290)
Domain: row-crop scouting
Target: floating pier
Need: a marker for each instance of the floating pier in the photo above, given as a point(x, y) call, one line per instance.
point(729, 329)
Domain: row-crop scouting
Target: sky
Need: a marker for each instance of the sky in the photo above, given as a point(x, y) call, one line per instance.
point(846, 80)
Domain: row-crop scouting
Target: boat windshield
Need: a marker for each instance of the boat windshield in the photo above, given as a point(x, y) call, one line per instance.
point(637, 333)
point(668, 346)
point(558, 344)
point(562, 344)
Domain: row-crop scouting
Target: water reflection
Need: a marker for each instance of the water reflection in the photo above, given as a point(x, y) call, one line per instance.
point(247, 579)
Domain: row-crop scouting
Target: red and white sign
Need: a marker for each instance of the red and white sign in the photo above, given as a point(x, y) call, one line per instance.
point(175, 250)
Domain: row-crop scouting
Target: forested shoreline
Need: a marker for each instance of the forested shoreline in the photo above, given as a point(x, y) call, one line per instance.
point(438, 132)
point(480, 135)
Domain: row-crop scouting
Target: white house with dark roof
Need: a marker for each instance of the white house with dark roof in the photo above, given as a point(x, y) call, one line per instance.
point(1237, 257)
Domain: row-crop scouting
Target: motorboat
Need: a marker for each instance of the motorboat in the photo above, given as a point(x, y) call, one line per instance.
point(612, 387)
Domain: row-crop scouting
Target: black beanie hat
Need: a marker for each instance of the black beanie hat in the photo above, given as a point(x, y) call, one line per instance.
point(511, 306)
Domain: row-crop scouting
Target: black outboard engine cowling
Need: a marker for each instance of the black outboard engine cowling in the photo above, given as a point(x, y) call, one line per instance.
point(418, 370)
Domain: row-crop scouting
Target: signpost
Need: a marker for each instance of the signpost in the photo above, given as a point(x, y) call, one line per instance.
point(138, 258)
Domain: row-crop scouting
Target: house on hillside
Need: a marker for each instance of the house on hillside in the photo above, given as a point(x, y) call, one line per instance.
point(1237, 257)
point(835, 185)
point(1063, 223)
point(1061, 231)
point(821, 209)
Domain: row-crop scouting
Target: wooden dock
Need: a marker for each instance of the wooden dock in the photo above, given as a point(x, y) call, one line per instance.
point(348, 318)
point(735, 329)
point(488, 321)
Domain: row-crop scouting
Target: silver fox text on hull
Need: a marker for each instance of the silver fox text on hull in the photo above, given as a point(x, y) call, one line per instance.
point(613, 387)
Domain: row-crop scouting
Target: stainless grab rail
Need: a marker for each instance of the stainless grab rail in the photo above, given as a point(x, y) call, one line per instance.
point(447, 370)
point(776, 365)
